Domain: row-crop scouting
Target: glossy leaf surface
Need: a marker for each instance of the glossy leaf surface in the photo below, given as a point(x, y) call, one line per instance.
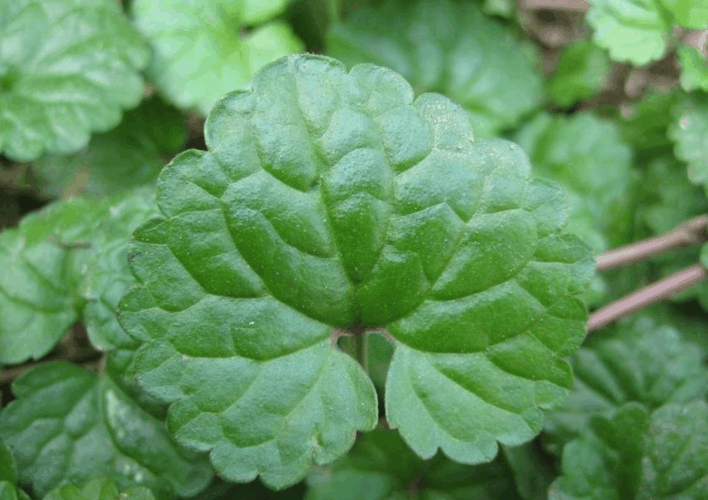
point(203, 50)
point(71, 425)
point(328, 200)
point(67, 69)
point(447, 47)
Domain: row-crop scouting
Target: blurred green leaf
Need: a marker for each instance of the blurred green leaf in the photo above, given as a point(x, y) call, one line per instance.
point(67, 69)
point(126, 157)
point(581, 72)
point(447, 47)
point(203, 50)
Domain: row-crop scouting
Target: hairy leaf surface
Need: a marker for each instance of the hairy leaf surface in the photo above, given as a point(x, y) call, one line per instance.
point(98, 489)
point(126, 157)
point(64, 261)
point(382, 467)
point(69, 425)
point(67, 68)
point(334, 200)
point(638, 455)
point(639, 361)
point(202, 50)
point(446, 47)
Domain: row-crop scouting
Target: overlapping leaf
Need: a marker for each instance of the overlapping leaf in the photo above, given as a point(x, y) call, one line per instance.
point(202, 50)
point(382, 467)
point(8, 476)
point(69, 425)
point(638, 455)
point(329, 200)
point(67, 68)
point(98, 489)
point(581, 72)
point(64, 260)
point(640, 361)
point(446, 47)
point(587, 155)
point(689, 132)
point(126, 157)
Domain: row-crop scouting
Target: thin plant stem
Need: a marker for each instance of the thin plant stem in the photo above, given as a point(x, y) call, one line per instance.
point(692, 232)
point(645, 297)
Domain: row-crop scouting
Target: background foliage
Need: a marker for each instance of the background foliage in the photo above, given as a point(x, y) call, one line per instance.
point(607, 98)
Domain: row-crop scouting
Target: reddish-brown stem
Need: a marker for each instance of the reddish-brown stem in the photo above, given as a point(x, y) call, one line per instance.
point(647, 296)
point(690, 233)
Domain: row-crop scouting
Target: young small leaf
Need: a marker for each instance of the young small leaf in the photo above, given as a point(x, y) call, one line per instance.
point(639, 361)
point(689, 132)
point(126, 157)
point(446, 47)
point(66, 69)
point(632, 30)
point(333, 200)
point(202, 50)
point(71, 425)
point(581, 72)
point(98, 489)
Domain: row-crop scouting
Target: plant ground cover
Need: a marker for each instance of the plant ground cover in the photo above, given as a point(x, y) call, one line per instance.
point(353, 249)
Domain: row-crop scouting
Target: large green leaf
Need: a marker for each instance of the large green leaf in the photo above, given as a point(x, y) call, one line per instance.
point(632, 30)
point(65, 260)
point(67, 68)
point(635, 455)
point(446, 47)
point(689, 132)
point(382, 467)
point(126, 157)
point(202, 50)
point(332, 200)
point(98, 489)
point(581, 72)
point(639, 361)
point(69, 425)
